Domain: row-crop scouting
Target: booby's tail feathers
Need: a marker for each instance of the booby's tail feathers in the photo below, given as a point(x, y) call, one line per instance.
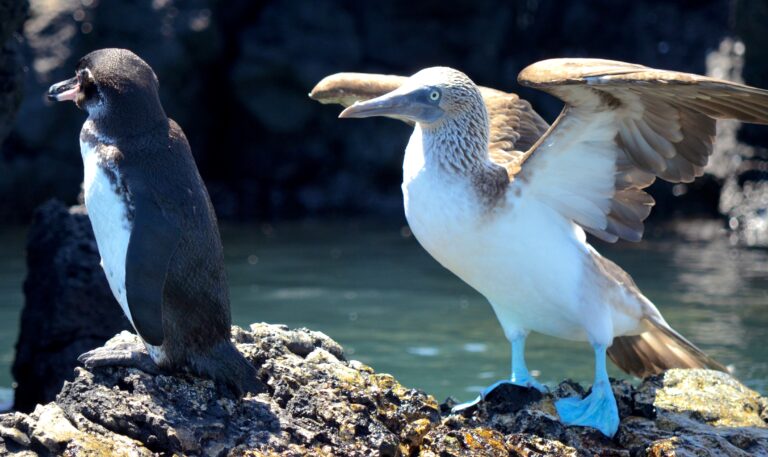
point(656, 350)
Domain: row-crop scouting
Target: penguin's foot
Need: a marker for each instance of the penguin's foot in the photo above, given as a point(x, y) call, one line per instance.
point(528, 382)
point(131, 355)
point(597, 410)
point(226, 365)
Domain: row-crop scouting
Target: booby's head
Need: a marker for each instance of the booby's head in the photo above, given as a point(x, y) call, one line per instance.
point(110, 78)
point(429, 97)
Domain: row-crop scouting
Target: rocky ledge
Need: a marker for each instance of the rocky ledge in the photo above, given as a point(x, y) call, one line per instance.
point(319, 403)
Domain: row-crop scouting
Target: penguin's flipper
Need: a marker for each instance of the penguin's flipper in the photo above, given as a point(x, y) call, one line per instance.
point(153, 241)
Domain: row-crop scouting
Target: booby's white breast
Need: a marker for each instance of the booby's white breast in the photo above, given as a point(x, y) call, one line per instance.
point(108, 213)
point(527, 260)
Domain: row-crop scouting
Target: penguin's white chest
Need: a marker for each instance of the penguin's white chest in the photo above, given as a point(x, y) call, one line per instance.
point(108, 212)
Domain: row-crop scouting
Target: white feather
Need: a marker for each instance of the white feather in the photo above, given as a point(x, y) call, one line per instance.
point(109, 218)
point(525, 257)
point(574, 171)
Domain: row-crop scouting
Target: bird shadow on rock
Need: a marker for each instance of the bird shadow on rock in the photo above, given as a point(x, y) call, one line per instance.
point(702, 412)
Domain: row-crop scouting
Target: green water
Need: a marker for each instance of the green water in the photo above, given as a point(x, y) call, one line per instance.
point(372, 288)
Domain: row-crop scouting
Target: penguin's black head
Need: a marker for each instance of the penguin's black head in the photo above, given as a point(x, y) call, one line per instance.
point(111, 80)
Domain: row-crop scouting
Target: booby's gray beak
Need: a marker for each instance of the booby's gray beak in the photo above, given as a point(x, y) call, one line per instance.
point(65, 90)
point(413, 106)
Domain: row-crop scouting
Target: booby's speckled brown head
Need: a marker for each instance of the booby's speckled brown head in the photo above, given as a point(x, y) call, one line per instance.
point(428, 97)
point(107, 78)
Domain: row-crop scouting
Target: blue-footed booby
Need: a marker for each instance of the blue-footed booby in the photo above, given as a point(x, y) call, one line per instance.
point(506, 210)
point(154, 225)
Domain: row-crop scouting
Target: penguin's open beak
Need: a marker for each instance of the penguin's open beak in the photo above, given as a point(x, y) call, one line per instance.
point(65, 90)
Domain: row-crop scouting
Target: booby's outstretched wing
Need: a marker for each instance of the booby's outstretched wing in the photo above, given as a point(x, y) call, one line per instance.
point(347, 88)
point(515, 126)
point(623, 125)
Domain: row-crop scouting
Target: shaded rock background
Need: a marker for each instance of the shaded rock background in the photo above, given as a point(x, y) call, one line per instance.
point(12, 15)
point(320, 403)
point(69, 308)
point(235, 74)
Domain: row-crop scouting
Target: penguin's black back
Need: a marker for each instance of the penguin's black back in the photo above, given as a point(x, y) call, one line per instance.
point(169, 197)
point(175, 258)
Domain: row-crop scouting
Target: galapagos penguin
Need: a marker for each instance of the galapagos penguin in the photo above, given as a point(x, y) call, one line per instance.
point(154, 225)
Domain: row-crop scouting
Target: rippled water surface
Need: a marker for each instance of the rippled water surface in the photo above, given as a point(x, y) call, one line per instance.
point(372, 288)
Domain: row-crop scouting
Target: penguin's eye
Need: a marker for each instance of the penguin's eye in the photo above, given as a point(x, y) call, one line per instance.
point(88, 89)
point(434, 95)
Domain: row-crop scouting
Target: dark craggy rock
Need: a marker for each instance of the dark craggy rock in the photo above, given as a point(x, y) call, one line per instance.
point(319, 403)
point(683, 412)
point(12, 74)
point(69, 308)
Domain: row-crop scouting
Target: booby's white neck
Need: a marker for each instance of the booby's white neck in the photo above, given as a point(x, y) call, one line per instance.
point(459, 143)
point(457, 150)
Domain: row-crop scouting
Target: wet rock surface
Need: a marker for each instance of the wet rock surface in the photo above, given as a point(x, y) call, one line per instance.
point(69, 308)
point(320, 403)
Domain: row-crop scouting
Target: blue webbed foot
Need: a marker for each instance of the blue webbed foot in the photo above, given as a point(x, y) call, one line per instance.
point(520, 375)
point(597, 410)
point(529, 383)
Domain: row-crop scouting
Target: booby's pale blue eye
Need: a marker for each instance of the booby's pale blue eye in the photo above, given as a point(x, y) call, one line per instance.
point(434, 95)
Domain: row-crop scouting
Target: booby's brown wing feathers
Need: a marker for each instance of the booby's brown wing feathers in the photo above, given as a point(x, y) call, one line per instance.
point(347, 88)
point(515, 126)
point(622, 126)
